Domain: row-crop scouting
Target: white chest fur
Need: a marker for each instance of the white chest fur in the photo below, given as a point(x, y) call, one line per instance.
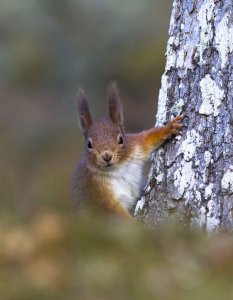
point(126, 182)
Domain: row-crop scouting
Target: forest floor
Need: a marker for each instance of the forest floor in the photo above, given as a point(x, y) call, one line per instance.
point(56, 256)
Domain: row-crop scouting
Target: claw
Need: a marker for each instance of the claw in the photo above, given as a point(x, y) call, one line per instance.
point(178, 118)
point(175, 126)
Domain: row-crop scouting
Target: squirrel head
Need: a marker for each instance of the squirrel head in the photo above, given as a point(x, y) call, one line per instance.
point(105, 143)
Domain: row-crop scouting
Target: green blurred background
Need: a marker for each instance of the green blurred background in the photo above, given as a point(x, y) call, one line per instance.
point(48, 48)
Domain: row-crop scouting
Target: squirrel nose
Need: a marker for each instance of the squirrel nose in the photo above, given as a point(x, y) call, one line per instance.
point(107, 157)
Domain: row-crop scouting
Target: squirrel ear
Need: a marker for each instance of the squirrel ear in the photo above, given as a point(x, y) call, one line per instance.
point(85, 119)
point(115, 109)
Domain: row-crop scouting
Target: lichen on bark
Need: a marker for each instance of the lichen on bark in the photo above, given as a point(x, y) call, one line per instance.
point(192, 175)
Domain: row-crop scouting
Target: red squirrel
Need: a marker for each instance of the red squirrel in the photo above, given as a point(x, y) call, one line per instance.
point(110, 172)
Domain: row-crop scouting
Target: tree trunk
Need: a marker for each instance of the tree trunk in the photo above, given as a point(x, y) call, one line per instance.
point(192, 175)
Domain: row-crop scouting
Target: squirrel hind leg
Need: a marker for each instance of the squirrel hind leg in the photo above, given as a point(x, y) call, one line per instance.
point(118, 210)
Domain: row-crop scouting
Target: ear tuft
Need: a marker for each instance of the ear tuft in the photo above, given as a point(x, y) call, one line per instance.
point(114, 105)
point(85, 119)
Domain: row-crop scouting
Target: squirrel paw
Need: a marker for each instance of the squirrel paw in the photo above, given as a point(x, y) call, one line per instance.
point(174, 126)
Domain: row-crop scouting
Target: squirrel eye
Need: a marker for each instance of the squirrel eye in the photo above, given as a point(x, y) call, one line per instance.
point(89, 143)
point(120, 139)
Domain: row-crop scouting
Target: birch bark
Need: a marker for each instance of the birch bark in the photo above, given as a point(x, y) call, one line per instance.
point(191, 178)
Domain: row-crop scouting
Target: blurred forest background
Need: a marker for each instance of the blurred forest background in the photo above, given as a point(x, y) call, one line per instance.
point(50, 48)
point(47, 50)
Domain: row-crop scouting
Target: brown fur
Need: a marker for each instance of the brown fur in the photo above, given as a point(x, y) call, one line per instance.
point(105, 155)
